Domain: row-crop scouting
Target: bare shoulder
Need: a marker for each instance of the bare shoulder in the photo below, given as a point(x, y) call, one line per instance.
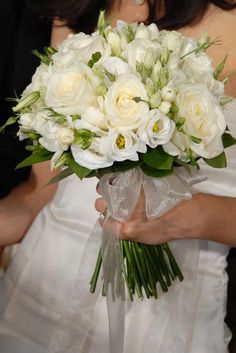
point(219, 24)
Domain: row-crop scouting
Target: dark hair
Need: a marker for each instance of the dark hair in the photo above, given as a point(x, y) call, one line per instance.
point(83, 15)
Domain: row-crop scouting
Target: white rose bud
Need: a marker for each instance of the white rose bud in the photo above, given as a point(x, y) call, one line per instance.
point(168, 94)
point(165, 107)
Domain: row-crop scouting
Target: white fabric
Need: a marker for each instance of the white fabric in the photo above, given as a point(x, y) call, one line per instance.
point(40, 280)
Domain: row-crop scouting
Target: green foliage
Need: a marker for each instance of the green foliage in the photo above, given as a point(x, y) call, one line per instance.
point(156, 173)
point(218, 161)
point(62, 175)
point(158, 159)
point(36, 157)
point(95, 58)
point(228, 140)
point(46, 57)
point(80, 171)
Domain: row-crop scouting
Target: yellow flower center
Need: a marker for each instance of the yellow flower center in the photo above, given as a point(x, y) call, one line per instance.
point(120, 142)
point(155, 127)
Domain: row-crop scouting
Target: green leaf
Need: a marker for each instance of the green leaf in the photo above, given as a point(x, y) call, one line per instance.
point(156, 173)
point(196, 139)
point(158, 159)
point(228, 140)
point(116, 168)
point(95, 58)
point(36, 157)
point(218, 161)
point(80, 171)
point(62, 175)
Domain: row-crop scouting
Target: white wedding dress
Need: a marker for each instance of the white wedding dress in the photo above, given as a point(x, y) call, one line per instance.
point(38, 284)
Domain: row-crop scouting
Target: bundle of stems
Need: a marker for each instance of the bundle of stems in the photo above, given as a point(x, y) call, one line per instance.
point(143, 268)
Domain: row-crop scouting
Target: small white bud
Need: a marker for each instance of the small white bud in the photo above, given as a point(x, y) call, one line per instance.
point(165, 107)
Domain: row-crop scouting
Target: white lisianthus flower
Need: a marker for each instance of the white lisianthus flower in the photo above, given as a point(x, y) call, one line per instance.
point(94, 120)
point(56, 137)
point(121, 145)
point(153, 31)
point(175, 71)
point(178, 146)
point(79, 48)
point(164, 107)
point(189, 45)
point(168, 94)
point(150, 32)
point(171, 40)
point(204, 119)
point(39, 80)
point(116, 66)
point(137, 49)
point(26, 121)
point(215, 86)
point(91, 158)
point(198, 67)
point(65, 136)
point(158, 130)
point(121, 108)
point(71, 91)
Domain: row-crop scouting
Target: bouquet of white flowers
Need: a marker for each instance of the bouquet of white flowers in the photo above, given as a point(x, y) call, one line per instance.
point(122, 98)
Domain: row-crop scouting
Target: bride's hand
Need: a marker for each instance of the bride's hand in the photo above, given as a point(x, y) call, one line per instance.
point(203, 217)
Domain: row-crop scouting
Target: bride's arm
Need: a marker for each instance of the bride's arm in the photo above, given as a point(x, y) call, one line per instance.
point(20, 207)
point(202, 217)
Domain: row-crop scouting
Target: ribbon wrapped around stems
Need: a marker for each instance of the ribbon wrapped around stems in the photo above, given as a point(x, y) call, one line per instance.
point(121, 192)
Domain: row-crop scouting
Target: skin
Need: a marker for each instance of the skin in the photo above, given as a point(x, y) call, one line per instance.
point(18, 210)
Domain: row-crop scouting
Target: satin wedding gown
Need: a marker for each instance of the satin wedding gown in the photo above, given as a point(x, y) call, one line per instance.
point(38, 284)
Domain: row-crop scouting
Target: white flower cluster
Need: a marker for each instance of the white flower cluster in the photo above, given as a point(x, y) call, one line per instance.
point(106, 97)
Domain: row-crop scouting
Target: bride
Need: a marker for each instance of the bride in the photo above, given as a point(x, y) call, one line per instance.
point(39, 283)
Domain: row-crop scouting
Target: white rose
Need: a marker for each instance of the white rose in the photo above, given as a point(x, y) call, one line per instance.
point(204, 119)
point(91, 158)
point(171, 40)
point(71, 91)
point(121, 145)
point(137, 49)
point(158, 130)
point(116, 66)
point(121, 108)
point(80, 48)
